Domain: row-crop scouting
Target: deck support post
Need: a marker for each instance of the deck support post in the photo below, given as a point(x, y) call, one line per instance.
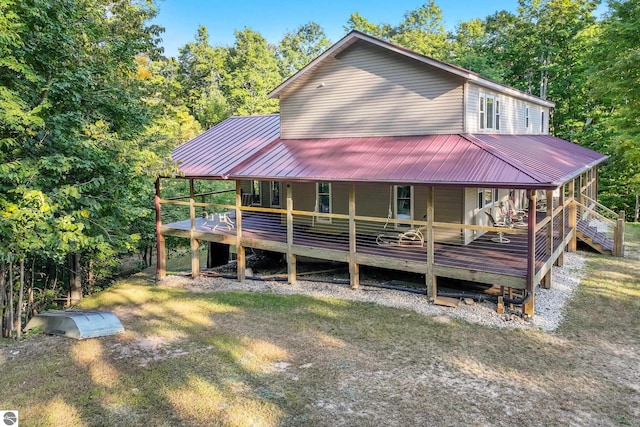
point(528, 307)
point(430, 278)
point(573, 217)
point(241, 261)
point(195, 246)
point(354, 267)
point(291, 257)
point(618, 236)
point(546, 280)
point(161, 254)
point(562, 225)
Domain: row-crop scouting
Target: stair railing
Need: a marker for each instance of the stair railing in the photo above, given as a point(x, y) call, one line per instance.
point(604, 220)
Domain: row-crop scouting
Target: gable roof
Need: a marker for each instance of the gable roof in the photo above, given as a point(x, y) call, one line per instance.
point(358, 37)
point(250, 148)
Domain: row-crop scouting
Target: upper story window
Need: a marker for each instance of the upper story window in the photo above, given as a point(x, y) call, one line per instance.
point(542, 122)
point(489, 112)
point(526, 117)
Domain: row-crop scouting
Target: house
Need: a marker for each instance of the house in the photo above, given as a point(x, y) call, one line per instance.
point(384, 157)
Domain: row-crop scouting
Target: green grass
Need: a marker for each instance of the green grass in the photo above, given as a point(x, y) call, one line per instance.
point(238, 359)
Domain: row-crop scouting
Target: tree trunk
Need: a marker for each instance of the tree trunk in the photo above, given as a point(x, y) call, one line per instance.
point(18, 320)
point(3, 291)
point(9, 325)
point(75, 279)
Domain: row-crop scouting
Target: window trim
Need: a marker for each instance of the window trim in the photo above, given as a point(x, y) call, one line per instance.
point(485, 116)
point(318, 194)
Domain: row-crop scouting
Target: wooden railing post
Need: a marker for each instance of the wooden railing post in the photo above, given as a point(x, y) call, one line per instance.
point(291, 257)
point(195, 258)
point(546, 280)
point(241, 262)
point(618, 236)
point(430, 278)
point(528, 307)
point(560, 260)
point(573, 217)
point(354, 268)
point(161, 255)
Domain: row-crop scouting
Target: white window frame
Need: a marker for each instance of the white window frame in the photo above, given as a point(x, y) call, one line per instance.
point(395, 205)
point(489, 120)
point(483, 201)
point(318, 194)
point(272, 186)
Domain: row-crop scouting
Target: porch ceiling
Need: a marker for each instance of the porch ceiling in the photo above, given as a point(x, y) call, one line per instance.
point(250, 148)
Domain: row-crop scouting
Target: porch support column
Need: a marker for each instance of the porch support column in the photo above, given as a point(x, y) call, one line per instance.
point(618, 236)
point(430, 278)
point(291, 257)
point(528, 307)
point(573, 217)
point(241, 262)
point(354, 268)
point(546, 280)
point(161, 254)
point(195, 260)
point(562, 227)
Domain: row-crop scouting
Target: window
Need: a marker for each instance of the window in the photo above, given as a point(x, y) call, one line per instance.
point(275, 194)
point(542, 122)
point(323, 199)
point(489, 112)
point(526, 117)
point(255, 190)
point(403, 203)
point(487, 197)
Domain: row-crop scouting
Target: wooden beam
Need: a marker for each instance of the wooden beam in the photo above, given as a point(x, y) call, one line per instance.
point(195, 246)
point(241, 261)
point(546, 281)
point(354, 268)
point(573, 217)
point(291, 257)
point(528, 307)
point(161, 254)
point(618, 235)
point(430, 278)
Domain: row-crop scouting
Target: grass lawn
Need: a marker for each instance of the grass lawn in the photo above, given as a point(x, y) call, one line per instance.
point(238, 359)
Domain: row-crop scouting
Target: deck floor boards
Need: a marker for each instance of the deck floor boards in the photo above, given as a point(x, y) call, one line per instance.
point(482, 254)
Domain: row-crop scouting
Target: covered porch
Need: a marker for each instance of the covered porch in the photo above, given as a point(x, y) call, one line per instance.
point(521, 263)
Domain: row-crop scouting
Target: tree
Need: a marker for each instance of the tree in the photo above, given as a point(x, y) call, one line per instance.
point(71, 110)
point(614, 78)
point(298, 48)
point(253, 73)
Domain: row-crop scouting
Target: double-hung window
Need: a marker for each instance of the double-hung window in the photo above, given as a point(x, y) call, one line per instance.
point(255, 191)
point(487, 197)
point(275, 194)
point(403, 195)
point(489, 112)
point(323, 200)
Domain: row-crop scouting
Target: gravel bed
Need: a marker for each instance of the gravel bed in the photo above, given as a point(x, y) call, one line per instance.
point(549, 304)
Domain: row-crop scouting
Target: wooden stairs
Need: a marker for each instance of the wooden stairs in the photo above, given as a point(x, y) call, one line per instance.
point(590, 235)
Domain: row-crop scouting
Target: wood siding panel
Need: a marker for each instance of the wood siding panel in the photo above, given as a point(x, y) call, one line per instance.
point(367, 91)
point(512, 114)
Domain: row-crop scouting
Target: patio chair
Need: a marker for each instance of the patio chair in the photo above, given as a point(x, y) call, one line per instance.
point(517, 216)
point(412, 237)
point(494, 223)
point(222, 221)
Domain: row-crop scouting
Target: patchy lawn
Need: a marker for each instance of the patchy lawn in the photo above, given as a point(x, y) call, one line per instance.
point(238, 359)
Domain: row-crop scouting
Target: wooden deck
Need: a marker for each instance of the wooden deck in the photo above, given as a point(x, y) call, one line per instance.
point(483, 260)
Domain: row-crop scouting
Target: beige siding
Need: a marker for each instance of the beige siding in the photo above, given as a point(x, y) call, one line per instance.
point(367, 91)
point(512, 113)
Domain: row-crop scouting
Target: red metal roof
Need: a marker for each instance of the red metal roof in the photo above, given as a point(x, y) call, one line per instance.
point(221, 148)
point(249, 148)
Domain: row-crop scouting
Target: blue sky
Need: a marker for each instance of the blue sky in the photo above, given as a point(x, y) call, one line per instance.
point(274, 18)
